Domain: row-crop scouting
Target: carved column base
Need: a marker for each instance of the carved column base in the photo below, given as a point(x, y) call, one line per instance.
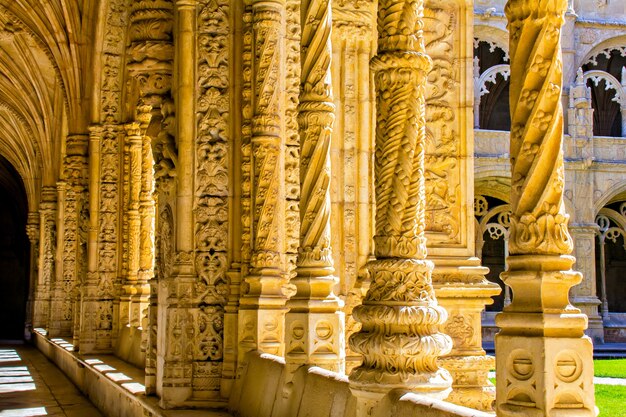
point(544, 376)
point(41, 308)
point(471, 386)
point(175, 337)
point(89, 318)
point(262, 328)
point(544, 362)
point(315, 339)
point(462, 289)
point(60, 316)
point(231, 317)
point(399, 338)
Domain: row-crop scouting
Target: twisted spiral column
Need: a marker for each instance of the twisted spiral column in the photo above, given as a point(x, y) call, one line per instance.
point(315, 324)
point(544, 361)
point(262, 305)
point(399, 339)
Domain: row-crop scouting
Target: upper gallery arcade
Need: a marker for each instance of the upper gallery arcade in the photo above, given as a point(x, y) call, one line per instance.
point(192, 182)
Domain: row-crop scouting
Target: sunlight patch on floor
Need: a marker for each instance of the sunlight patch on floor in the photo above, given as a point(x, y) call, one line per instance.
point(14, 378)
point(24, 412)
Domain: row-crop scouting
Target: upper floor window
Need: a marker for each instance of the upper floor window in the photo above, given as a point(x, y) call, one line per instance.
point(607, 112)
point(491, 77)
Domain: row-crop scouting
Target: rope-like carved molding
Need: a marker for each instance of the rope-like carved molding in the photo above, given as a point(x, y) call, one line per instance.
point(538, 221)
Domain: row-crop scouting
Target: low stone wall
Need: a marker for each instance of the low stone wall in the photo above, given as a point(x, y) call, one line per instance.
point(263, 388)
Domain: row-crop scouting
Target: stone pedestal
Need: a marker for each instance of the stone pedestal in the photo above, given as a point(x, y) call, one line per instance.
point(464, 292)
point(584, 295)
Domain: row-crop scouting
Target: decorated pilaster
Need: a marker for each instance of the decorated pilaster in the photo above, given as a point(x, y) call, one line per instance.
point(544, 360)
point(352, 149)
point(262, 306)
point(458, 278)
point(47, 253)
point(315, 323)
point(214, 222)
point(399, 340)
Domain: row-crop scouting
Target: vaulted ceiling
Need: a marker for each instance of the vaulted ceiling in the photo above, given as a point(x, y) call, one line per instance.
point(45, 74)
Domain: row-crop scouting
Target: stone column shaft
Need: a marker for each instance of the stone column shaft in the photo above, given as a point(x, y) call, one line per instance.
point(57, 321)
point(315, 324)
point(544, 362)
point(47, 248)
point(175, 322)
point(185, 125)
point(262, 306)
point(89, 319)
point(33, 233)
point(399, 314)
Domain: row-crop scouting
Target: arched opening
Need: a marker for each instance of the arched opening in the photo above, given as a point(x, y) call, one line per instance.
point(610, 257)
point(607, 115)
point(494, 105)
point(14, 253)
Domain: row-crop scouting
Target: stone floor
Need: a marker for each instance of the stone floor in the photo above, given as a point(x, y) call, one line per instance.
point(30, 385)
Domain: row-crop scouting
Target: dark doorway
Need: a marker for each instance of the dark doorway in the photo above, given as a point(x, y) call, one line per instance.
point(14, 253)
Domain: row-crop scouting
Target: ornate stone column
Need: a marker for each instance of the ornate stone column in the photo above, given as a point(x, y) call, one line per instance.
point(64, 308)
point(129, 308)
point(399, 340)
point(315, 323)
point(33, 233)
point(262, 306)
point(623, 104)
point(47, 249)
point(176, 293)
point(57, 321)
point(89, 318)
point(544, 361)
point(151, 60)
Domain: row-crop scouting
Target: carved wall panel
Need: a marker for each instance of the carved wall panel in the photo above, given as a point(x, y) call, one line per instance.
point(211, 204)
point(446, 212)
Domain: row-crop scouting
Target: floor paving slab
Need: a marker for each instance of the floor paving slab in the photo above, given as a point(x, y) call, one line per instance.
point(30, 385)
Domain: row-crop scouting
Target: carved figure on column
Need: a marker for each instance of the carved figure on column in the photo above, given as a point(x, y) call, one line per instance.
point(541, 335)
point(315, 324)
point(399, 314)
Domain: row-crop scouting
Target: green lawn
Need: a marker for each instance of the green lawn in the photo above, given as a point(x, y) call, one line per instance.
point(611, 400)
point(615, 368)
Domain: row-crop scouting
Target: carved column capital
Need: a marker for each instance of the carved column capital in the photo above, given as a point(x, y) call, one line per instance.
point(32, 227)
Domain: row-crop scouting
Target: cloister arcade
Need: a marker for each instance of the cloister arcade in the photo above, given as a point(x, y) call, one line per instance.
point(222, 197)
